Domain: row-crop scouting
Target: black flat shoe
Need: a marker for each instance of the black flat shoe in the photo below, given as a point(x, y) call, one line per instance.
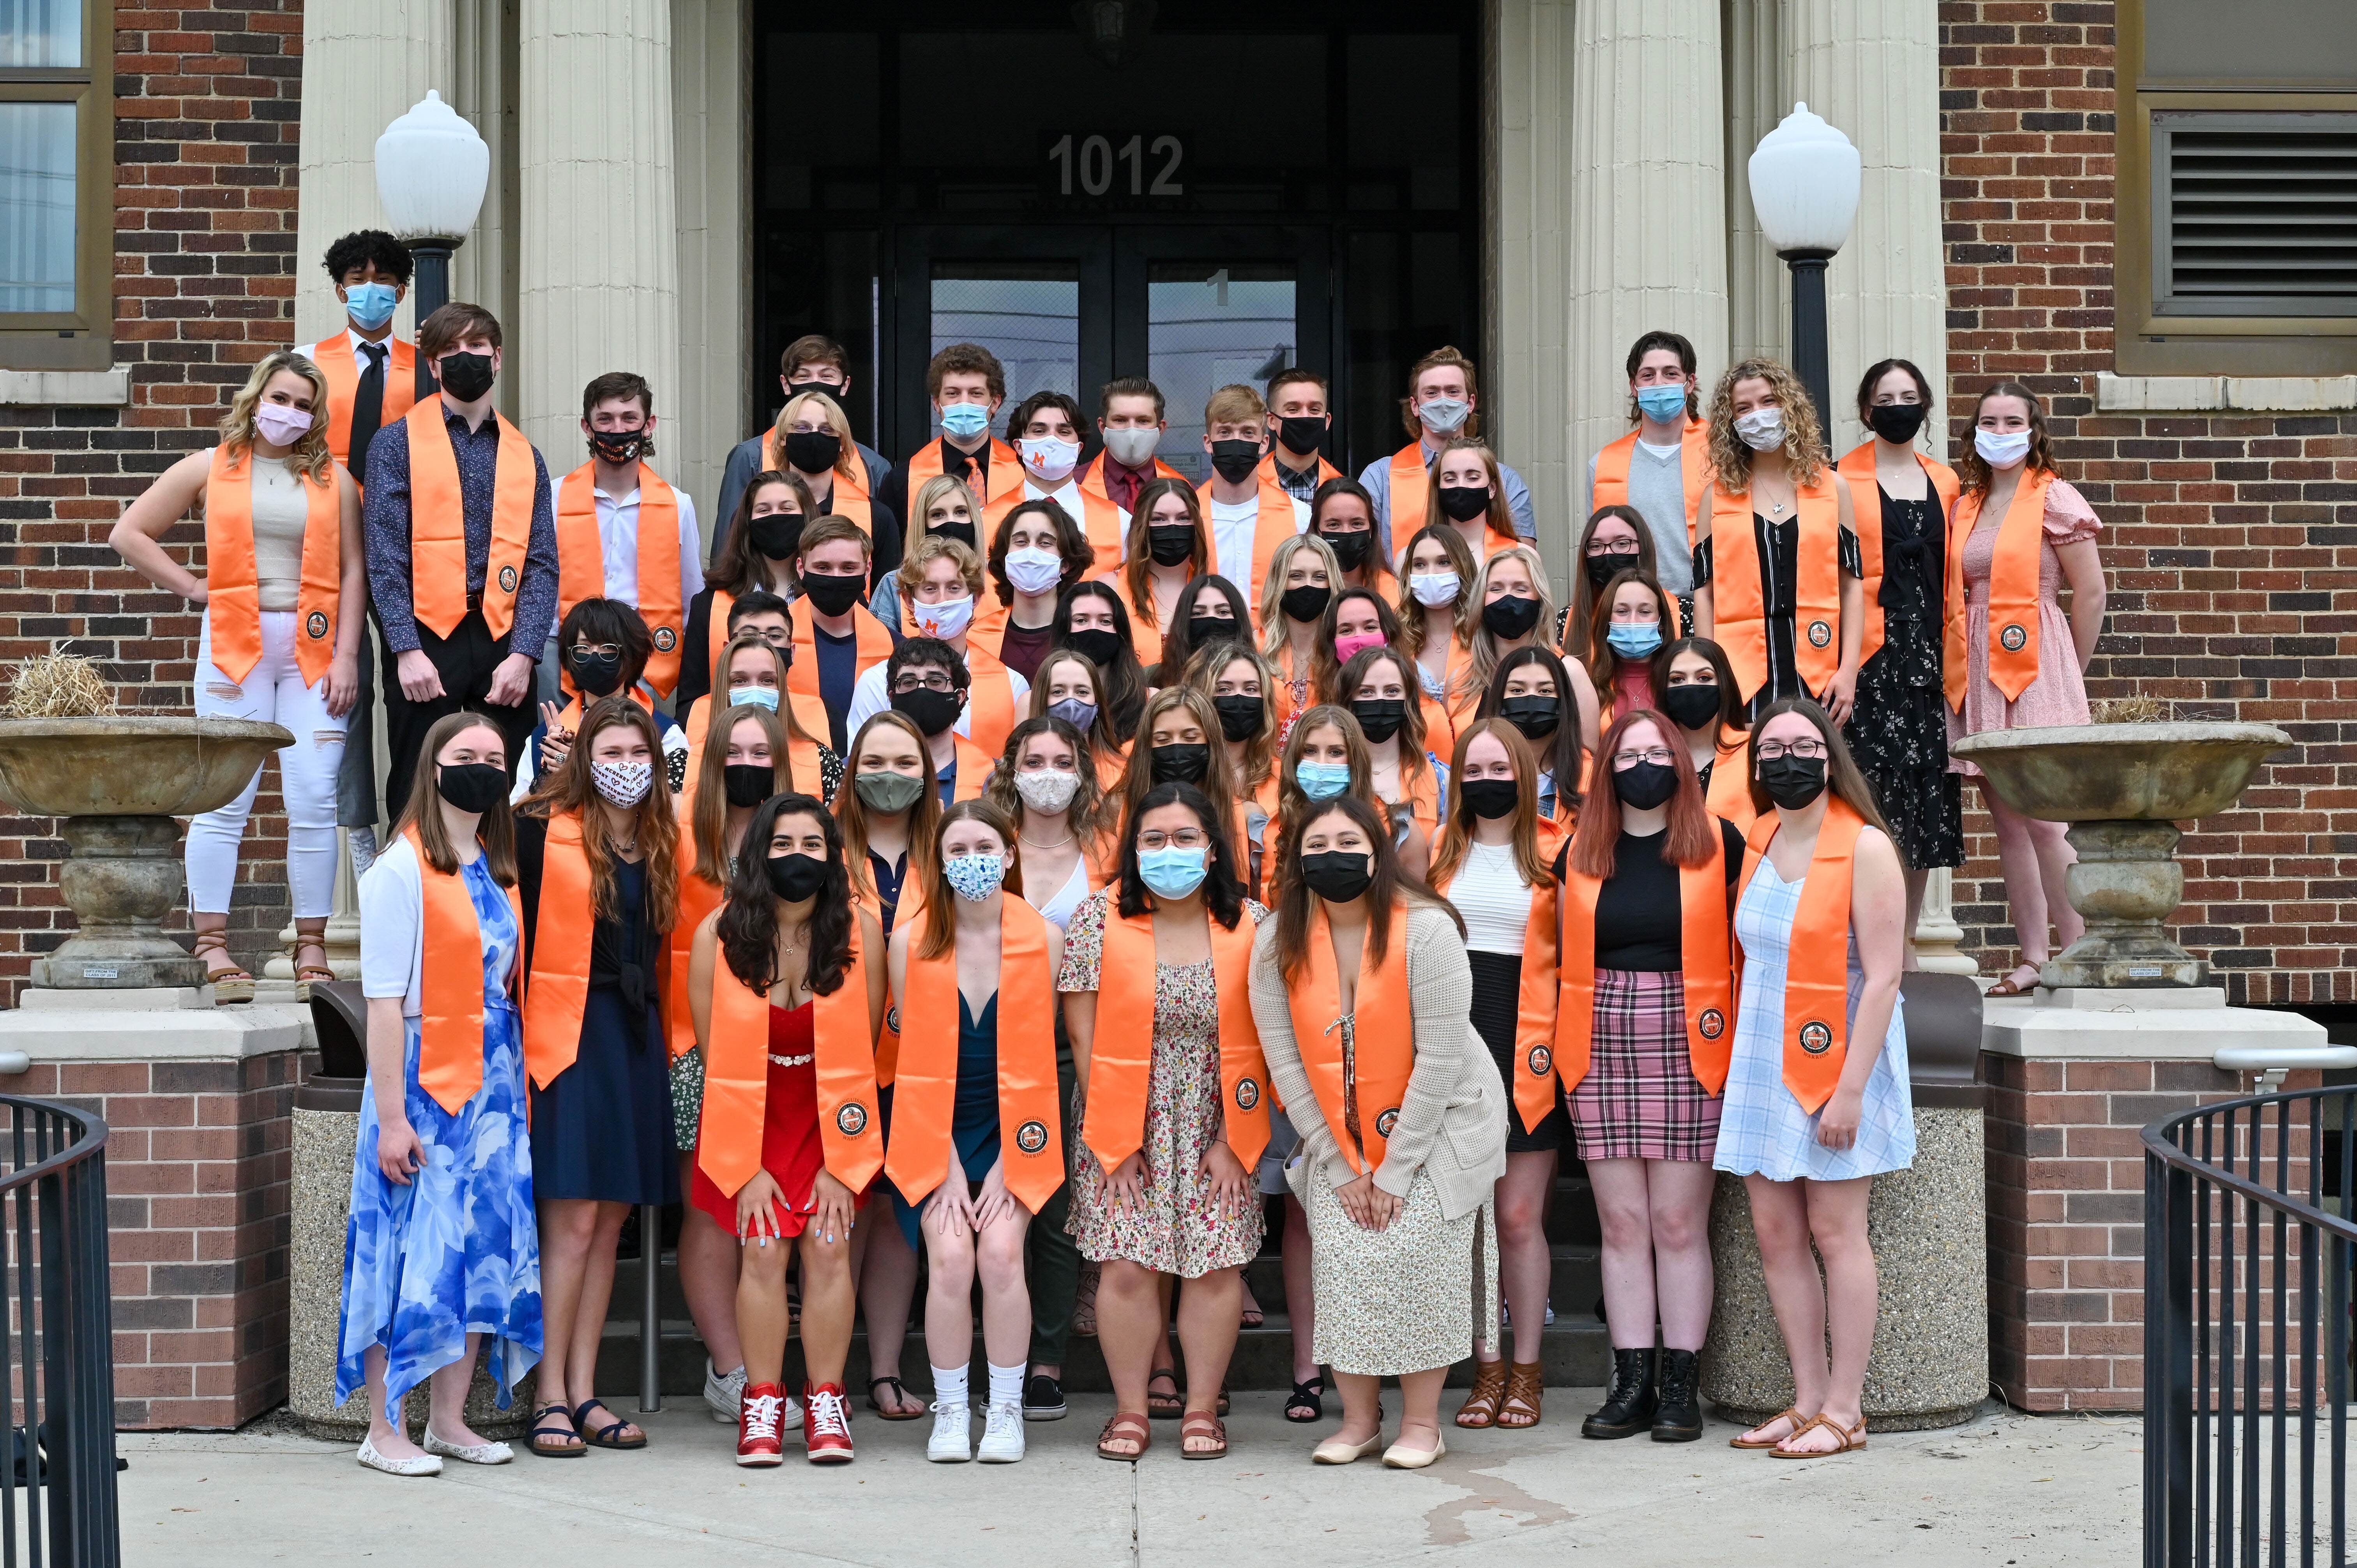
point(1630, 1402)
point(1043, 1399)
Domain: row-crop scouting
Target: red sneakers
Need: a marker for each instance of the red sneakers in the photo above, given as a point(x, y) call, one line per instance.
point(757, 1416)
point(826, 1424)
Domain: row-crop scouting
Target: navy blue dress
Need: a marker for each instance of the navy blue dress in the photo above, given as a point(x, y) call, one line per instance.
point(974, 1121)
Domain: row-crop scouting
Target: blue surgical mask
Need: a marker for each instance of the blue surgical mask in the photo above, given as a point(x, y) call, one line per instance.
point(1322, 781)
point(965, 420)
point(1662, 403)
point(754, 697)
point(370, 304)
point(1171, 872)
point(1634, 638)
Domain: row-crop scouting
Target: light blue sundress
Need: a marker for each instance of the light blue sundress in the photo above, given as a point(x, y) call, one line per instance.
point(457, 1250)
point(1763, 1129)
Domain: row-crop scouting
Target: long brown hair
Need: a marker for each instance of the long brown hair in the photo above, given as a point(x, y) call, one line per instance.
point(1564, 748)
point(1218, 785)
point(1104, 739)
point(1325, 670)
point(1202, 672)
point(1136, 572)
point(1292, 802)
point(1415, 762)
point(1692, 831)
point(1842, 775)
point(495, 832)
point(571, 789)
point(1456, 830)
point(939, 934)
point(1501, 517)
point(739, 569)
point(1584, 596)
point(718, 696)
point(708, 823)
point(1414, 614)
point(1604, 660)
point(1394, 888)
point(1973, 470)
point(1090, 815)
point(1730, 699)
point(852, 811)
point(748, 927)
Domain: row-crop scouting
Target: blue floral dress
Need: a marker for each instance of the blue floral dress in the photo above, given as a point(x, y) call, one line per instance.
point(457, 1250)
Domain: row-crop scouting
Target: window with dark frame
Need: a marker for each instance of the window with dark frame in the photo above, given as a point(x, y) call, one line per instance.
point(56, 185)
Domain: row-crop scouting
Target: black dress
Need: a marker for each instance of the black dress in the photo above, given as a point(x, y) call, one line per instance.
point(1898, 728)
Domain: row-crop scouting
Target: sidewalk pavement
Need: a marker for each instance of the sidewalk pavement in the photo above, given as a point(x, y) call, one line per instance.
point(2005, 1490)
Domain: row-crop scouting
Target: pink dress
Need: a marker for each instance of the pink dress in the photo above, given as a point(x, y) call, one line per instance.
point(1632, 687)
point(2059, 694)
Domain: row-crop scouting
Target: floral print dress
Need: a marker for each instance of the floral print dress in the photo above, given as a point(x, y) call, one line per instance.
point(1179, 1227)
point(456, 1251)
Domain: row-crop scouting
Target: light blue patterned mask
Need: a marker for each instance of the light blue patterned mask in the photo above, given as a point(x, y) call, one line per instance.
point(974, 877)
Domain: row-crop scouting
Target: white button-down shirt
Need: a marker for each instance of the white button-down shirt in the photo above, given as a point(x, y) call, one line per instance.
point(618, 538)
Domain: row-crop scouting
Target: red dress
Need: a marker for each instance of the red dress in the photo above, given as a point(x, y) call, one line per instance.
point(791, 1150)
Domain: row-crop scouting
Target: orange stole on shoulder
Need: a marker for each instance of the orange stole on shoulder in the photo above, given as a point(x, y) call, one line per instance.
point(1816, 970)
point(1383, 1032)
point(1534, 1086)
point(451, 986)
point(698, 899)
point(1121, 1058)
point(1737, 594)
point(2013, 591)
point(556, 991)
point(1706, 958)
point(1857, 469)
point(341, 370)
point(437, 523)
point(1729, 794)
point(924, 1096)
point(874, 646)
point(1693, 470)
point(1411, 486)
point(581, 563)
point(1001, 471)
point(233, 593)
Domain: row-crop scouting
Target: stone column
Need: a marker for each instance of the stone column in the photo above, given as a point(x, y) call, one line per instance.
point(711, 98)
point(1939, 939)
point(598, 286)
point(1758, 290)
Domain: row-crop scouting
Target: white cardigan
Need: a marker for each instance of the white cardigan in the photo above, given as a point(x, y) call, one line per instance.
point(392, 928)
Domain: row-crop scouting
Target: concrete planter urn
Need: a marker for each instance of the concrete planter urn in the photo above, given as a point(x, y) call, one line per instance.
point(2123, 788)
point(117, 781)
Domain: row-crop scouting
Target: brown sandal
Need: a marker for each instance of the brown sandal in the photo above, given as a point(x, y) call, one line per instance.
point(304, 973)
point(1525, 1386)
point(1202, 1423)
point(1795, 1416)
point(230, 980)
point(1852, 1439)
point(1084, 1302)
point(1126, 1426)
point(1481, 1406)
point(2009, 986)
point(1162, 1406)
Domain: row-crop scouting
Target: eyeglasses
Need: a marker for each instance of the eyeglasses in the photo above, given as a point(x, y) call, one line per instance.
point(1613, 547)
point(1185, 838)
point(1658, 753)
point(931, 681)
point(597, 650)
point(1808, 750)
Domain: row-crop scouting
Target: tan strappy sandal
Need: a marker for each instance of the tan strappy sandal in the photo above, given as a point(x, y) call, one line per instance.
point(1526, 1387)
point(304, 973)
point(1795, 1417)
point(1853, 1439)
point(1481, 1406)
point(228, 980)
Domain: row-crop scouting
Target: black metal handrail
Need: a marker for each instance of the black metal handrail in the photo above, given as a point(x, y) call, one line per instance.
point(56, 1358)
point(2239, 1225)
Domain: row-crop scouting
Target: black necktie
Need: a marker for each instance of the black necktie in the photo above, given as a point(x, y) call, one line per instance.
point(368, 409)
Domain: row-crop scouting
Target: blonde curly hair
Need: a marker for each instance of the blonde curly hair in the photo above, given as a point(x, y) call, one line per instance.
point(1804, 441)
point(310, 456)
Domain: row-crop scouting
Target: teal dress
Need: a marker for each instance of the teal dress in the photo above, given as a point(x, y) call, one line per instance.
point(973, 1123)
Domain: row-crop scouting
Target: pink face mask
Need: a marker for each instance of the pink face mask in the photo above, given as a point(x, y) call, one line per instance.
point(1351, 643)
point(281, 425)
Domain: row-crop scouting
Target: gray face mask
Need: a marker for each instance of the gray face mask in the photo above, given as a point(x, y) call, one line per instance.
point(1444, 415)
point(1132, 448)
point(888, 792)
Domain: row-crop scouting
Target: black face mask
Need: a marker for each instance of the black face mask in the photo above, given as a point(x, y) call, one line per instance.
point(1169, 542)
point(960, 531)
point(832, 594)
point(1490, 798)
point(1511, 616)
point(1380, 717)
point(596, 674)
point(750, 783)
point(1209, 628)
point(1350, 549)
point(931, 711)
point(1100, 646)
point(1690, 706)
point(1183, 764)
point(1338, 876)
point(813, 451)
point(1306, 602)
point(1464, 502)
point(1602, 569)
point(1792, 781)
point(618, 446)
point(1235, 460)
point(794, 877)
point(1241, 718)
point(1536, 717)
point(1897, 423)
point(465, 376)
point(1301, 432)
point(827, 389)
point(471, 785)
point(776, 534)
point(1646, 785)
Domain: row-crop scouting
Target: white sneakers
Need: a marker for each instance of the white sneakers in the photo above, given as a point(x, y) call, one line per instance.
point(951, 1441)
point(1002, 1433)
point(724, 1394)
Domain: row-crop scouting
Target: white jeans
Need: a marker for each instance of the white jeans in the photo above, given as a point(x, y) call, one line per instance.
point(276, 693)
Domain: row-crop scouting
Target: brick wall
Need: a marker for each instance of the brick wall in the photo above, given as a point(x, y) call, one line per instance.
point(2227, 539)
point(206, 111)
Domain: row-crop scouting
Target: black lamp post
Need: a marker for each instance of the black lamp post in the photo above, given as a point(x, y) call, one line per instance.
point(431, 169)
point(1806, 177)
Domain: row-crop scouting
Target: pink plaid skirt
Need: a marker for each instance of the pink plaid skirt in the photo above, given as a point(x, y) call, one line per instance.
point(1640, 1100)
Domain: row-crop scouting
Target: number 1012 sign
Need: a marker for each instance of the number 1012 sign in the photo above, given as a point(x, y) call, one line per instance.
point(1118, 165)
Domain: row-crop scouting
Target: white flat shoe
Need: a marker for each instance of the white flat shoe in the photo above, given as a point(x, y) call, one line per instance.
point(424, 1465)
point(1399, 1456)
point(1334, 1451)
point(468, 1453)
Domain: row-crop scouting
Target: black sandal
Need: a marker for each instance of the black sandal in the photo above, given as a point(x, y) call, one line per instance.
point(899, 1389)
point(603, 1437)
point(1307, 1403)
point(1165, 1407)
point(572, 1450)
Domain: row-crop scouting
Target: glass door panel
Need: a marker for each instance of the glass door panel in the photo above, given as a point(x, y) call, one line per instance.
point(1208, 324)
point(1026, 313)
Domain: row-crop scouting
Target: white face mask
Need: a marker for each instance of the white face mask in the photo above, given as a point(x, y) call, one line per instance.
point(1444, 415)
point(1763, 429)
point(1132, 448)
point(2001, 448)
point(624, 783)
point(946, 620)
point(1434, 589)
point(1032, 570)
point(1049, 460)
point(1048, 789)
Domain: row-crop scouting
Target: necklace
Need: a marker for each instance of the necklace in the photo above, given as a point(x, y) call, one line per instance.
point(1035, 843)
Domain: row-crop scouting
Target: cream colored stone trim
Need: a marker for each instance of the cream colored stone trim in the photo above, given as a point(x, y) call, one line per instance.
point(66, 389)
point(160, 1034)
point(2141, 1026)
point(2275, 394)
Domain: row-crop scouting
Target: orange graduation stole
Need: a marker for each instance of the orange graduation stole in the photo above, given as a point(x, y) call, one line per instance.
point(450, 984)
point(437, 523)
point(1002, 473)
point(1739, 599)
point(698, 899)
point(1099, 520)
point(874, 647)
point(1266, 473)
point(338, 364)
point(1534, 1084)
point(1270, 529)
point(925, 1093)
point(1411, 487)
point(1816, 969)
point(581, 563)
point(556, 991)
point(737, 1077)
point(232, 593)
point(1730, 795)
point(1121, 1060)
point(1693, 470)
point(1144, 633)
point(2013, 590)
point(1856, 466)
point(1706, 957)
point(1382, 1033)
